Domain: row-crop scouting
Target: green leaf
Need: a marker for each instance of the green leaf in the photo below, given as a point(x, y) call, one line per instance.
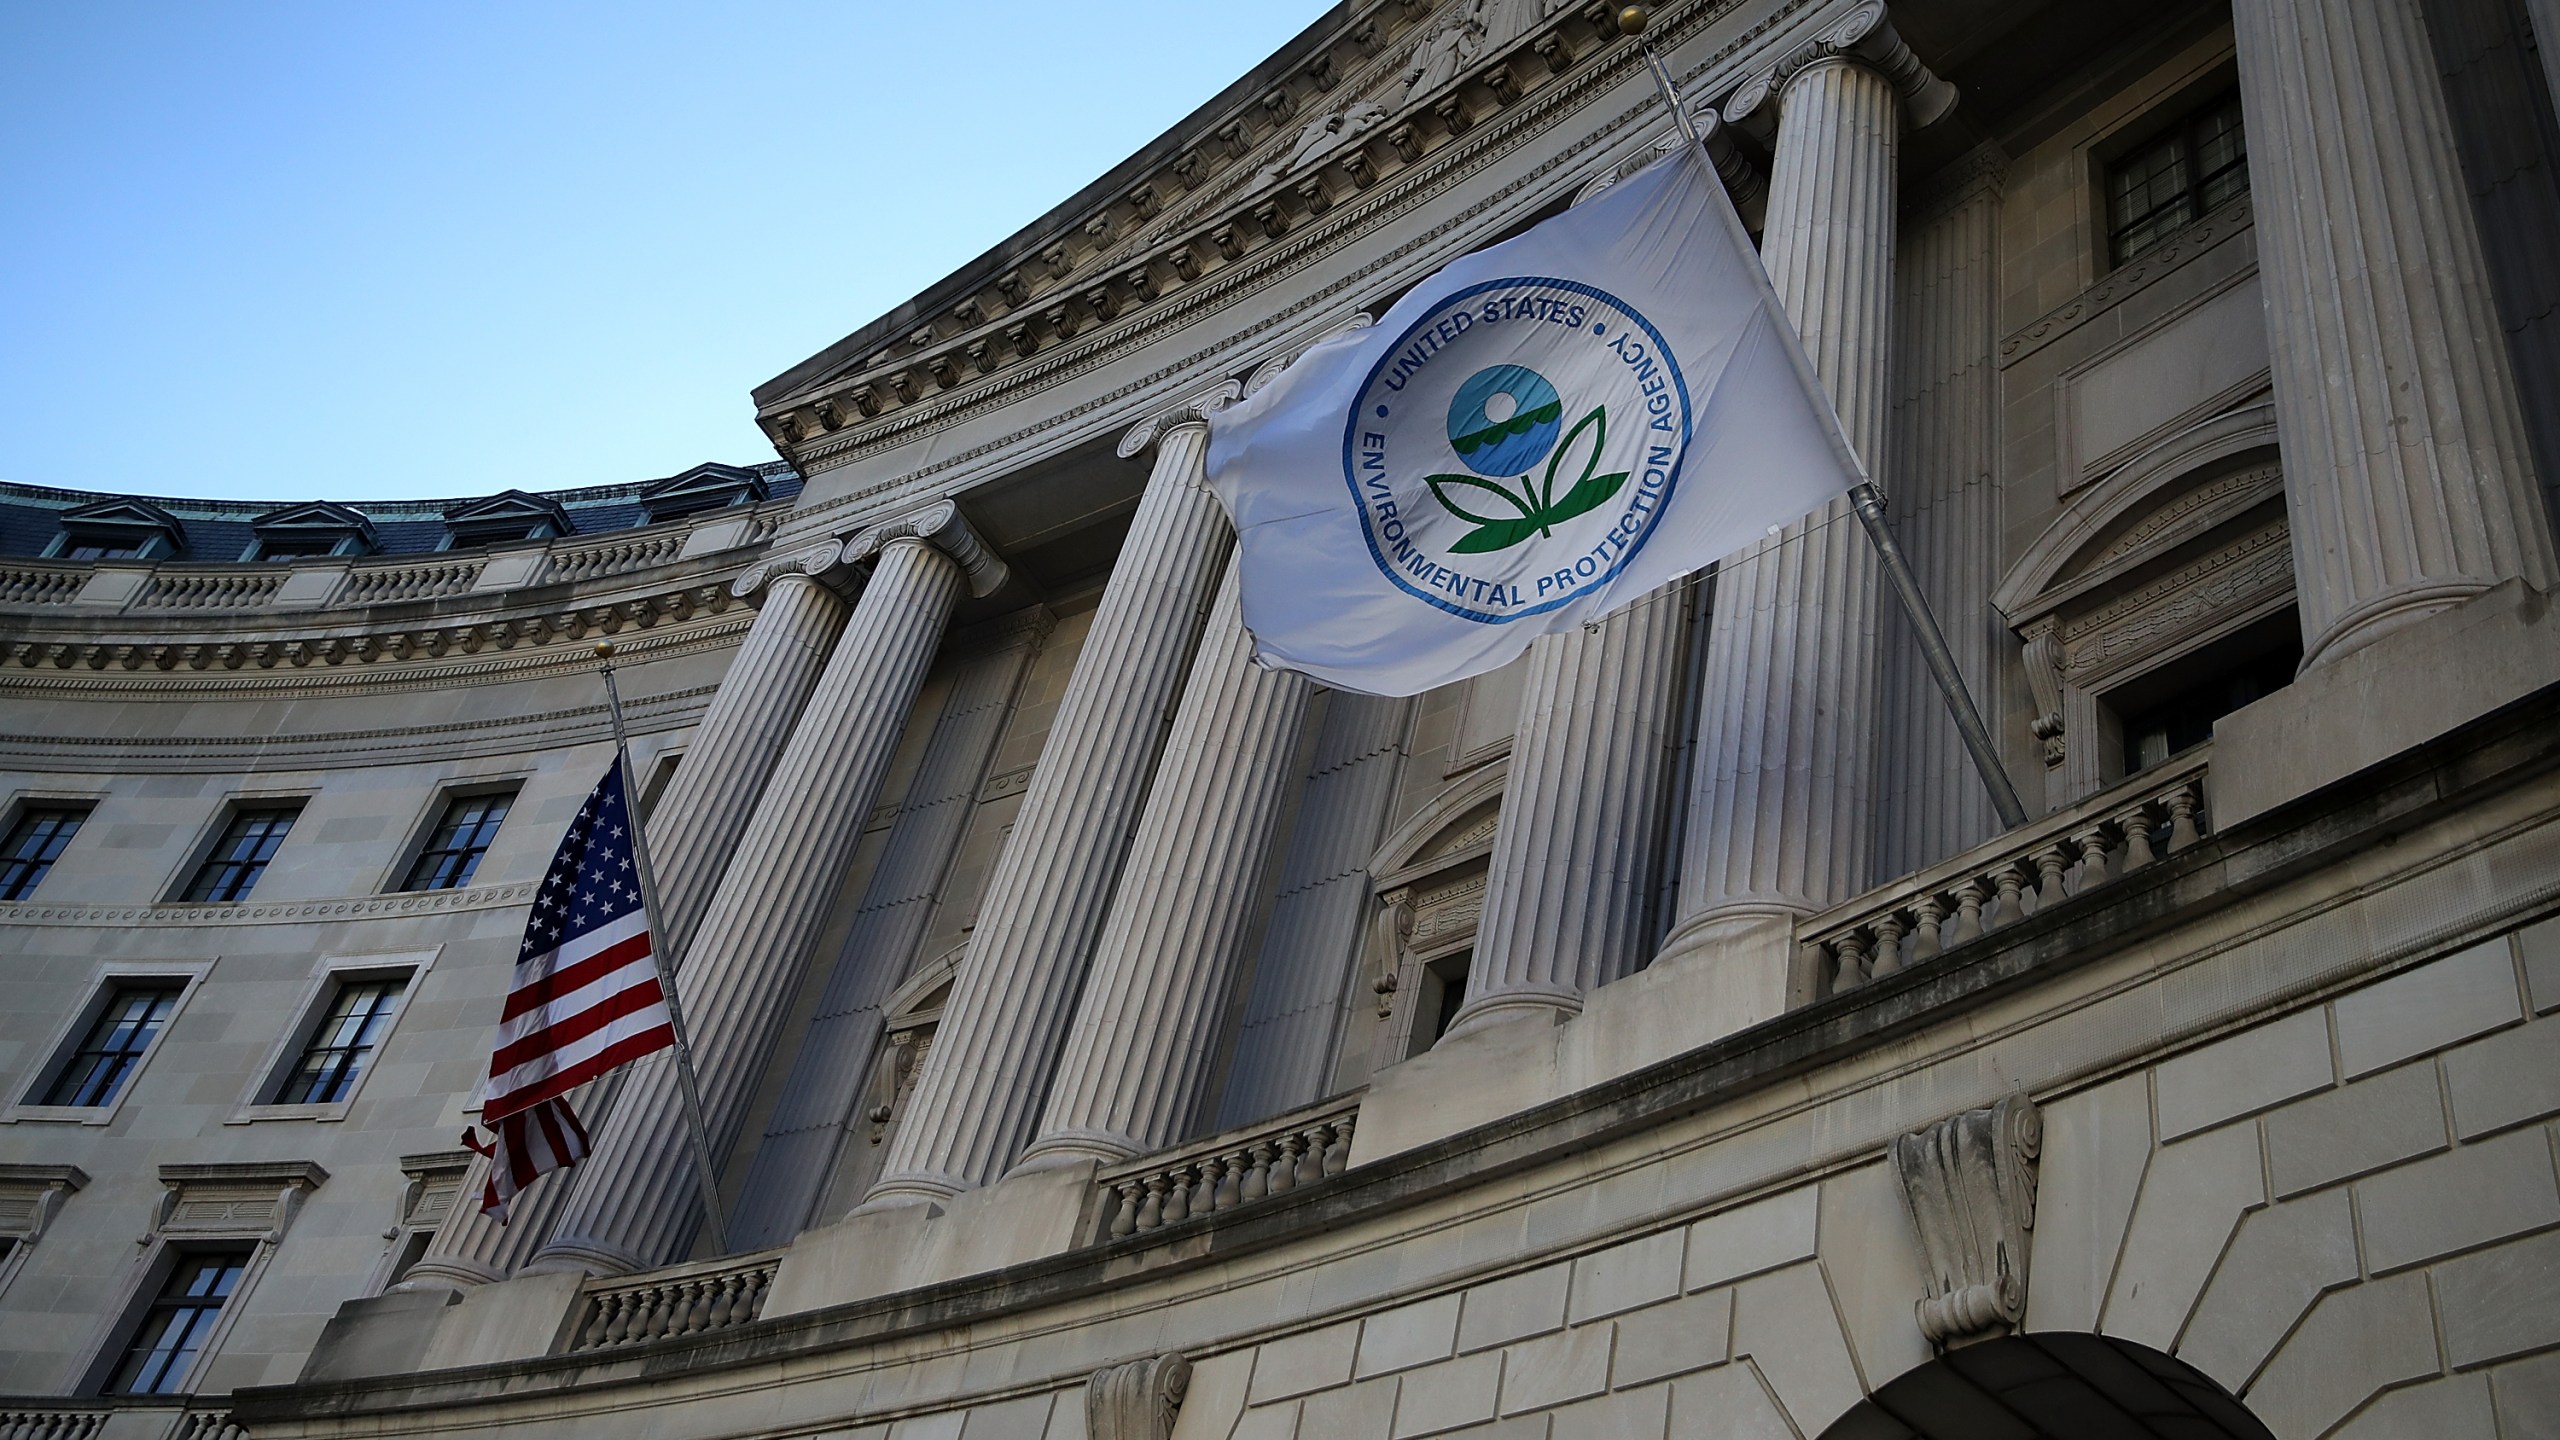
point(1500, 535)
point(1598, 421)
point(1440, 491)
point(1592, 491)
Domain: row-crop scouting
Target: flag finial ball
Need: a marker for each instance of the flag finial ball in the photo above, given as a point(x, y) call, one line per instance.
point(604, 649)
point(1631, 21)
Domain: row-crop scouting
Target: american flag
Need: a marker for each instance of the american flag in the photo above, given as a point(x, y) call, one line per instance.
point(586, 999)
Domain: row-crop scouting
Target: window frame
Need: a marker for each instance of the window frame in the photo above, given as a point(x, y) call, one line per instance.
point(202, 853)
point(320, 989)
point(75, 1024)
point(2159, 113)
point(422, 839)
point(148, 1301)
point(16, 812)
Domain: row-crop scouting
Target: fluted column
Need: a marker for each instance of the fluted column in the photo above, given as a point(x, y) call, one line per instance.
point(1136, 1071)
point(1568, 898)
point(978, 1098)
point(635, 1202)
point(692, 830)
point(1781, 817)
point(2408, 481)
point(806, 1136)
point(1303, 982)
point(1946, 512)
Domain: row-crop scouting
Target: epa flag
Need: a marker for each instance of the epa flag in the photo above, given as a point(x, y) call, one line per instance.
point(586, 999)
point(1533, 437)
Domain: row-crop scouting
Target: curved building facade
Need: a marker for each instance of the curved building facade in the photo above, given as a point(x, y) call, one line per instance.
point(1661, 1036)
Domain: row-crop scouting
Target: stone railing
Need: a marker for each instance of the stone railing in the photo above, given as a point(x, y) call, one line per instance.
point(227, 589)
point(41, 584)
point(197, 1424)
point(2103, 838)
point(617, 557)
point(681, 1300)
point(407, 580)
point(50, 1422)
point(1228, 1170)
point(148, 1418)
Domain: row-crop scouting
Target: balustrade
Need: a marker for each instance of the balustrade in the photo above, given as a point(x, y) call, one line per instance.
point(415, 580)
point(673, 1302)
point(2108, 836)
point(41, 584)
point(618, 557)
point(1228, 1170)
point(209, 589)
point(84, 1419)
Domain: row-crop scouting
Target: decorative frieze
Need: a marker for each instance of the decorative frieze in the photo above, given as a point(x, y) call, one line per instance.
point(365, 907)
point(1970, 1182)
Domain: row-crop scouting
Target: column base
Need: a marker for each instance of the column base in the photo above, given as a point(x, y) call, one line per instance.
point(910, 1187)
point(2381, 614)
point(583, 1255)
point(1060, 1148)
point(1747, 957)
point(1555, 1004)
point(450, 1272)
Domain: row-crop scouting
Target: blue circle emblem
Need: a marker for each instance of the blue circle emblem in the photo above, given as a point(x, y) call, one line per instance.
point(1504, 419)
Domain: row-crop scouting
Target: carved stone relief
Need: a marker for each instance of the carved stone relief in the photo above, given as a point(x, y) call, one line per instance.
point(1970, 1181)
point(1138, 1400)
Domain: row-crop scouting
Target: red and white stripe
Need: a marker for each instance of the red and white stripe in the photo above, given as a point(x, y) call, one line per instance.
point(576, 1012)
point(528, 1144)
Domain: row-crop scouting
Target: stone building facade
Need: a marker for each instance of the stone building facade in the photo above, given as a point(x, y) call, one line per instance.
point(1103, 1037)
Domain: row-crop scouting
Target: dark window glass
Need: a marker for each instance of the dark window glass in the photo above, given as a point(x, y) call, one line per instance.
point(34, 843)
point(2185, 720)
point(114, 1045)
point(92, 550)
point(241, 856)
point(2202, 162)
point(296, 547)
point(172, 1335)
point(343, 1044)
point(462, 837)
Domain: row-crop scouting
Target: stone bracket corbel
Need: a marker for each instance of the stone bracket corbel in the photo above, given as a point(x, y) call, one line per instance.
point(40, 1190)
point(1865, 35)
point(825, 562)
point(1970, 1182)
point(2044, 679)
point(939, 525)
point(1138, 1400)
point(1194, 411)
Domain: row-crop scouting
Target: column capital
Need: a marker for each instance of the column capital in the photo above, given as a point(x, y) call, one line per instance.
point(825, 562)
point(940, 526)
point(1193, 411)
point(1864, 36)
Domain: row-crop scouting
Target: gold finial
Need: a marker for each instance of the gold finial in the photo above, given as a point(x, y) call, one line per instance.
point(604, 649)
point(1631, 21)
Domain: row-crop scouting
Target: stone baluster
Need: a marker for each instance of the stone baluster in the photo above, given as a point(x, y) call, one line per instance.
point(635, 1202)
point(693, 828)
point(2408, 482)
point(1146, 1035)
point(1781, 819)
point(1569, 894)
point(797, 1157)
point(978, 1099)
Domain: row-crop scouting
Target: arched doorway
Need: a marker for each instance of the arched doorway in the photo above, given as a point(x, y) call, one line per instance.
point(2056, 1386)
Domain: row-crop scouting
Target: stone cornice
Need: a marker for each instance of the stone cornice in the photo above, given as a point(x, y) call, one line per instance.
point(304, 912)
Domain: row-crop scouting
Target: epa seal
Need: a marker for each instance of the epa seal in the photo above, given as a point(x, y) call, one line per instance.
point(1513, 449)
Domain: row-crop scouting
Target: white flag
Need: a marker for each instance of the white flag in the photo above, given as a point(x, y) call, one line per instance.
point(1536, 436)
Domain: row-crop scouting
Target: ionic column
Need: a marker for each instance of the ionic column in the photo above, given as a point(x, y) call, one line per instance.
point(2408, 481)
point(692, 831)
point(806, 1136)
point(1781, 817)
point(1568, 896)
point(978, 1098)
point(635, 1202)
point(1135, 1074)
point(1946, 512)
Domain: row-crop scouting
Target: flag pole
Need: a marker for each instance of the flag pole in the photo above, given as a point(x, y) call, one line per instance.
point(695, 1126)
point(1863, 496)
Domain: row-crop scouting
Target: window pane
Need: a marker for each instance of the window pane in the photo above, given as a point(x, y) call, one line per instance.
point(241, 855)
point(34, 843)
point(171, 1336)
point(2176, 179)
point(453, 852)
point(343, 1044)
point(114, 1045)
point(2222, 156)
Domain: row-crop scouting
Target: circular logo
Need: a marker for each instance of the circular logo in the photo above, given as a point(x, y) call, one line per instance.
point(1514, 447)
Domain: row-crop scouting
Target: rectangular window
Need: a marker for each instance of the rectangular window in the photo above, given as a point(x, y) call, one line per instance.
point(343, 1043)
point(173, 1332)
point(98, 1070)
point(2200, 164)
point(453, 852)
point(241, 855)
point(34, 843)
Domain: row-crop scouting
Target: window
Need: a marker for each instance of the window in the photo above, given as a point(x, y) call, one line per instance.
point(453, 852)
point(343, 1043)
point(2202, 162)
point(241, 855)
point(96, 1071)
point(2182, 721)
point(173, 1332)
point(100, 550)
point(34, 843)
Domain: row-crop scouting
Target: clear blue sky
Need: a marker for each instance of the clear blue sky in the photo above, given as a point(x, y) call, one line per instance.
point(392, 249)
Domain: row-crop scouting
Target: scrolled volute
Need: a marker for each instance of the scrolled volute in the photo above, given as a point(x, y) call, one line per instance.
point(939, 525)
point(1138, 1400)
point(825, 562)
point(1193, 411)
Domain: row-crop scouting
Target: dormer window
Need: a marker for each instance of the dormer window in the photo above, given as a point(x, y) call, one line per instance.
point(704, 487)
point(305, 532)
point(117, 530)
point(511, 517)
